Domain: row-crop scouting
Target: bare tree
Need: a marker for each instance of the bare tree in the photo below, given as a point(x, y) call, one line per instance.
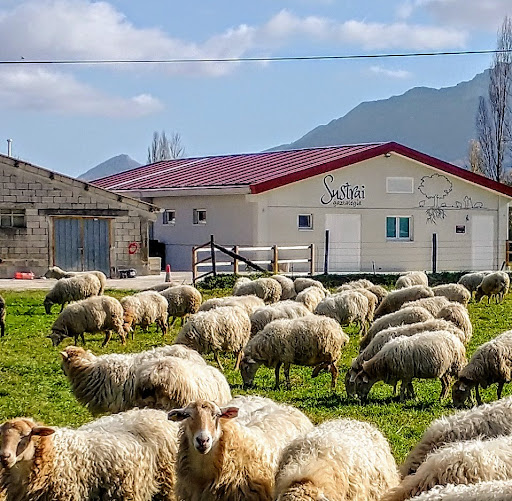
point(493, 120)
point(175, 146)
point(163, 148)
point(475, 157)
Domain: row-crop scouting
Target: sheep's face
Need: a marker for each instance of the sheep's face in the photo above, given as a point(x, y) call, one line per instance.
point(362, 385)
point(479, 294)
point(74, 355)
point(350, 386)
point(248, 369)
point(461, 393)
point(47, 306)
point(57, 336)
point(202, 423)
point(18, 440)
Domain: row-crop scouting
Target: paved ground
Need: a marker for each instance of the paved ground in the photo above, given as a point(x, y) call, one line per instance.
point(137, 283)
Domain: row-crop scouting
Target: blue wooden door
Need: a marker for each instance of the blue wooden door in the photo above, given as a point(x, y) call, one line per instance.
point(97, 245)
point(68, 243)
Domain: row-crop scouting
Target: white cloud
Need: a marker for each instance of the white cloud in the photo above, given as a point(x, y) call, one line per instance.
point(400, 74)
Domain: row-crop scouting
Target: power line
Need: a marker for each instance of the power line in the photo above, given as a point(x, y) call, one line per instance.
point(254, 59)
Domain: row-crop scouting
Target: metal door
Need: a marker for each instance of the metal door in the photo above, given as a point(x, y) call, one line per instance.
point(344, 241)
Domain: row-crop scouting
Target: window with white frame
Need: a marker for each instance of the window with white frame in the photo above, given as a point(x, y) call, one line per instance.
point(169, 217)
point(199, 216)
point(305, 221)
point(399, 228)
point(12, 218)
point(399, 185)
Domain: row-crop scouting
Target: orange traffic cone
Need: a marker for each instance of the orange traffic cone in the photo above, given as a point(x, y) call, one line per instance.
point(168, 273)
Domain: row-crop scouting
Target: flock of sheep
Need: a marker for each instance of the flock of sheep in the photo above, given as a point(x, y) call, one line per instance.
point(173, 430)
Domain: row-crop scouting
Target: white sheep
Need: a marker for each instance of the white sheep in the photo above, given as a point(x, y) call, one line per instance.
point(283, 309)
point(182, 300)
point(491, 363)
point(58, 273)
point(221, 458)
point(494, 490)
point(71, 289)
point(227, 328)
point(426, 355)
point(379, 291)
point(301, 283)
point(337, 460)
point(265, 288)
point(311, 296)
point(453, 292)
point(395, 299)
point(163, 378)
point(249, 303)
point(287, 287)
point(346, 307)
point(309, 341)
point(458, 315)
point(485, 421)
point(125, 456)
point(472, 280)
point(355, 284)
point(411, 278)
point(432, 304)
point(495, 285)
point(144, 309)
point(94, 314)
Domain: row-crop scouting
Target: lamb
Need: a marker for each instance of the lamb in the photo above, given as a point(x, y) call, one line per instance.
point(337, 460)
point(346, 307)
point(425, 355)
point(311, 296)
point(222, 458)
point(145, 308)
point(94, 314)
point(432, 304)
point(485, 421)
point(125, 456)
point(395, 299)
point(459, 316)
point(301, 283)
point(310, 341)
point(265, 288)
point(411, 278)
point(249, 303)
point(227, 328)
point(491, 363)
point(3, 313)
point(182, 300)
point(287, 287)
point(410, 315)
point(495, 284)
point(283, 309)
point(162, 378)
point(468, 462)
point(494, 490)
point(58, 273)
point(453, 292)
point(71, 289)
point(472, 280)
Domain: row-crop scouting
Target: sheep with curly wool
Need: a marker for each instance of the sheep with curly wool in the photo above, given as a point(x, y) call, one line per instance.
point(94, 314)
point(485, 421)
point(493, 490)
point(301, 283)
point(346, 307)
point(337, 460)
point(267, 289)
point(3, 314)
point(495, 285)
point(410, 315)
point(395, 299)
point(283, 309)
point(313, 341)
point(58, 273)
point(71, 289)
point(426, 355)
point(223, 329)
point(162, 378)
point(355, 284)
point(379, 291)
point(411, 278)
point(249, 303)
point(432, 304)
point(311, 296)
point(491, 363)
point(144, 309)
point(466, 462)
point(182, 301)
point(223, 457)
point(453, 292)
point(472, 280)
point(126, 456)
point(287, 287)
point(458, 315)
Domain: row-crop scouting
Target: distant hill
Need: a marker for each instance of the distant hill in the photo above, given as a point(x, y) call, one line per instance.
point(439, 122)
point(111, 166)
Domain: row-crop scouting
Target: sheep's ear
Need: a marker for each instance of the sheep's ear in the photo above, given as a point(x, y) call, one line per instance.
point(365, 379)
point(462, 387)
point(228, 412)
point(178, 414)
point(353, 377)
point(63, 354)
point(42, 431)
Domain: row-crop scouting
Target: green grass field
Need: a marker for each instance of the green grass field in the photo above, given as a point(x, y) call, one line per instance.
point(33, 384)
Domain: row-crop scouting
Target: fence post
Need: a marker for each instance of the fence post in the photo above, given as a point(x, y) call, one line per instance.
point(326, 252)
point(194, 265)
point(312, 259)
point(212, 249)
point(434, 252)
point(235, 260)
point(275, 259)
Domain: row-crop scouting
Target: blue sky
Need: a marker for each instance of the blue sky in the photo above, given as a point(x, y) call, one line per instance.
point(70, 118)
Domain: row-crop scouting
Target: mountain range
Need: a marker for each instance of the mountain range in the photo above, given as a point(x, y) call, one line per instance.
point(111, 166)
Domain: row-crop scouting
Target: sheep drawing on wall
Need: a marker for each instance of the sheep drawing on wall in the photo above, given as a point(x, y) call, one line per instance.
point(435, 187)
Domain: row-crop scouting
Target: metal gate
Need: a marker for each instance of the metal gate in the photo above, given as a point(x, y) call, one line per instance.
point(82, 244)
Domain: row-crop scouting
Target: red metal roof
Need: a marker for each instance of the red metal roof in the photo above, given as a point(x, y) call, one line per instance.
point(265, 171)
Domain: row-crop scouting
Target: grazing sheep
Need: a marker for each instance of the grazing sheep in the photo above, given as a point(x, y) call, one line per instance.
point(249, 303)
point(3, 313)
point(58, 273)
point(355, 284)
point(311, 341)
point(494, 490)
point(372, 302)
point(145, 308)
point(94, 314)
point(468, 462)
point(485, 421)
point(221, 458)
point(311, 296)
point(162, 287)
point(379, 291)
point(426, 355)
point(265, 288)
point(432, 304)
point(125, 456)
point(459, 316)
point(182, 300)
point(301, 283)
point(395, 299)
point(453, 292)
point(227, 328)
point(410, 315)
point(283, 309)
point(162, 378)
point(491, 363)
point(337, 460)
point(411, 278)
point(287, 287)
point(495, 284)
point(472, 280)
point(71, 289)
point(346, 307)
